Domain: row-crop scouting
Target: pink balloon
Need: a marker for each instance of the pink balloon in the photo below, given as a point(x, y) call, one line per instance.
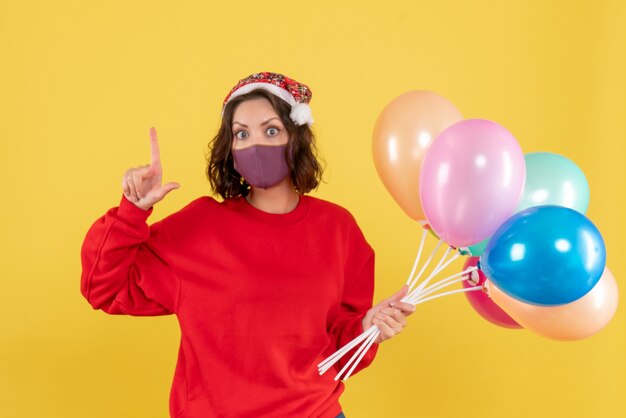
point(471, 181)
point(481, 302)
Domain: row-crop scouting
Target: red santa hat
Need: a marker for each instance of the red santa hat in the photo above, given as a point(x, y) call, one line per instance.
point(296, 94)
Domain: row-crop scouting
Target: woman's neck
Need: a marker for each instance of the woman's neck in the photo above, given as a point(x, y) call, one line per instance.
point(281, 198)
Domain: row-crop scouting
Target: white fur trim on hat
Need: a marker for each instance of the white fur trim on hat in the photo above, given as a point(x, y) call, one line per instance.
point(275, 90)
point(301, 114)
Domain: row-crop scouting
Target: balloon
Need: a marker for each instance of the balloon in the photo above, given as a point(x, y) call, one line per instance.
point(471, 181)
point(552, 179)
point(481, 303)
point(545, 255)
point(573, 321)
point(477, 249)
point(403, 132)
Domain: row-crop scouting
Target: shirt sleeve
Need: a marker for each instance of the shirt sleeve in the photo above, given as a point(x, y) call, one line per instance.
point(357, 297)
point(125, 264)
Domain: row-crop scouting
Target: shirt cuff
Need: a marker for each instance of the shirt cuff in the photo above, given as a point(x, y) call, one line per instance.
point(131, 213)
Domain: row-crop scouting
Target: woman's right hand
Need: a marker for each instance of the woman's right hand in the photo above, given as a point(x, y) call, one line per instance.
point(142, 185)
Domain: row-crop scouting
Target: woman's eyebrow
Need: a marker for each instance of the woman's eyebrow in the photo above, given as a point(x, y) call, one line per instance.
point(268, 121)
point(262, 124)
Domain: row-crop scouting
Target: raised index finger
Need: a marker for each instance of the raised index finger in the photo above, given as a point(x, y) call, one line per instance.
point(155, 156)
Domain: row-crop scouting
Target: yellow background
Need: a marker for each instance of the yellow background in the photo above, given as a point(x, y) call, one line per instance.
point(82, 81)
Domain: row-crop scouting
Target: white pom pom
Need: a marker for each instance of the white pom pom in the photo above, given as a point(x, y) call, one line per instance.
point(301, 114)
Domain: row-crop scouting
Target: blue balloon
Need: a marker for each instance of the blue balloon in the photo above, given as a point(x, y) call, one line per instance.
point(545, 255)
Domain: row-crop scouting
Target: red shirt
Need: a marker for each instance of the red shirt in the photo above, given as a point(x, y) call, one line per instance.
point(261, 299)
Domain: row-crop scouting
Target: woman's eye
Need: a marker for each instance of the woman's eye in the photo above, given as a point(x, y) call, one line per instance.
point(241, 135)
point(272, 131)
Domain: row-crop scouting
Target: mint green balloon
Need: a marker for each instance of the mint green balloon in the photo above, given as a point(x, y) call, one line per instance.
point(478, 248)
point(551, 179)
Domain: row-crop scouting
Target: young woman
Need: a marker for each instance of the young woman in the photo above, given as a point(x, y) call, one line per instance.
point(266, 282)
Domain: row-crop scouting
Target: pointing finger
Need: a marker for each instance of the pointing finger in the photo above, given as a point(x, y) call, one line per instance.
point(154, 147)
point(146, 171)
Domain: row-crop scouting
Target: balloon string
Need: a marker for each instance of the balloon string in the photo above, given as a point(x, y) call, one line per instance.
point(440, 267)
point(432, 254)
point(355, 355)
point(455, 278)
point(452, 292)
point(367, 346)
point(448, 281)
point(419, 254)
point(334, 358)
point(416, 297)
point(354, 360)
point(372, 333)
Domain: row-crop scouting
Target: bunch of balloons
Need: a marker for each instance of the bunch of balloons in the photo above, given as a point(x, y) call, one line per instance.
point(520, 218)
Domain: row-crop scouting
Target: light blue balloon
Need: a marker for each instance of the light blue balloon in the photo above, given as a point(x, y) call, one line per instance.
point(545, 255)
point(552, 179)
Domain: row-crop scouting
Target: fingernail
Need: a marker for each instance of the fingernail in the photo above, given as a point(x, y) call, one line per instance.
point(391, 304)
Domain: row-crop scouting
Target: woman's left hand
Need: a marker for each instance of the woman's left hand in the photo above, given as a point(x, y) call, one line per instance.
point(389, 315)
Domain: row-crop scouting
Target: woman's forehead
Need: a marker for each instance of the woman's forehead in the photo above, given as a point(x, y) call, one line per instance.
point(254, 110)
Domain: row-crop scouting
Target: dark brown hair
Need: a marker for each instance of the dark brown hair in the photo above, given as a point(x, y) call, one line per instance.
point(301, 154)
